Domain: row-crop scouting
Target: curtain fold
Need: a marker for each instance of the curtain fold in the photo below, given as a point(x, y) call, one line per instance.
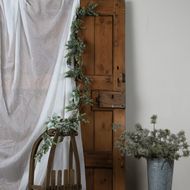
point(33, 35)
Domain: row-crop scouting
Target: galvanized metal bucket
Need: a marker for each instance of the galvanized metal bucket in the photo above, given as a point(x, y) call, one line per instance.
point(160, 174)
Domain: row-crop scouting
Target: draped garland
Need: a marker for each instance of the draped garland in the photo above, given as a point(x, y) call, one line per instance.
point(81, 94)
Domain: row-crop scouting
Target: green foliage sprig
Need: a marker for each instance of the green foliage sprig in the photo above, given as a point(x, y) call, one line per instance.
point(156, 143)
point(81, 95)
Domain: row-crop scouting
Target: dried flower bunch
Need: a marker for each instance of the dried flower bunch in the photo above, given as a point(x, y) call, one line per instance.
point(156, 143)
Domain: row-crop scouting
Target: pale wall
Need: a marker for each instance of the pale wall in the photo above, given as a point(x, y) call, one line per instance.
point(158, 76)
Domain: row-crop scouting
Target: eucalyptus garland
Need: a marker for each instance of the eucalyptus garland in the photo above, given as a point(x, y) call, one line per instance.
point(81, 94)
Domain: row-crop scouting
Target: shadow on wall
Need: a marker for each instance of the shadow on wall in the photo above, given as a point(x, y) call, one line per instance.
point(134, 169)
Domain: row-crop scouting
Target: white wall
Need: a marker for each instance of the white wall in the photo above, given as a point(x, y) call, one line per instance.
point(158, 76)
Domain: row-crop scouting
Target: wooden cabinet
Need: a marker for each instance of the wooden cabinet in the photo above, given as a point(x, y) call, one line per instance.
point(104, 63)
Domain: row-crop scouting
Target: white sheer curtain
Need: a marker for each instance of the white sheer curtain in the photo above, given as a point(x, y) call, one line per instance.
point(33, 34)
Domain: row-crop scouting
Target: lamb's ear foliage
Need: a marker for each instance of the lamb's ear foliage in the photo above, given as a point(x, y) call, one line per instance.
point(81, 95)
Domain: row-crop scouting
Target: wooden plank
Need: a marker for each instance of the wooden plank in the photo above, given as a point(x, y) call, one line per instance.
point(103, 130)
point(103, 179)
point(118, 160)
point(32, 162)
point(53, 179)
point(77, 162)
point(90, 179)
point(108, 99)
point(71, 177)
point(102, 82)
point(50, 160)
point(103, 45)
point(59, 179)
point(99, 159)
point(104, 6)
point(89, 56)
point(88, 130)
point(119, 46)
point(66, 177)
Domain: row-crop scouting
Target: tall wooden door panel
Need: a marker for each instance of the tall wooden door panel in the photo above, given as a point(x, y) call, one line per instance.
point(104, 64)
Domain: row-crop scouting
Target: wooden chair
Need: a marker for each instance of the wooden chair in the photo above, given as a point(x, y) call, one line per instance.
point(57, 180)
